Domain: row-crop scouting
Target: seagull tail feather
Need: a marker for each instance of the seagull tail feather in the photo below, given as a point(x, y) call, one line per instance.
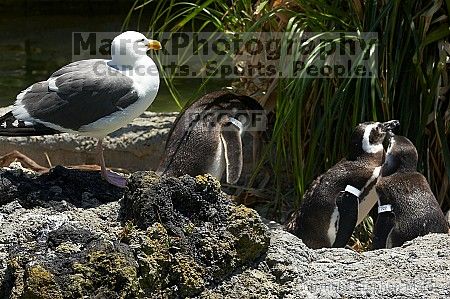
point(12, 127)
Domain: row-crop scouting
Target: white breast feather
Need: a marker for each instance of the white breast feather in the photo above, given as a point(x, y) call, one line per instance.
point(370, 199)
point(367, 147)
point(334, 226)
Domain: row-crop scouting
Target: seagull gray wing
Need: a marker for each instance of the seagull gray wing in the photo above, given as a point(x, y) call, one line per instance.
point(78, 94)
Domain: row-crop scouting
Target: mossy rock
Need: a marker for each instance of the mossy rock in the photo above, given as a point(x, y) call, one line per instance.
point(179, 236)
point(205, 236)
point(41, 284)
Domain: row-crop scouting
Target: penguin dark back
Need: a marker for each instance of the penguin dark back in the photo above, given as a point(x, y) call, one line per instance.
point(208, 137)
point(407, 208)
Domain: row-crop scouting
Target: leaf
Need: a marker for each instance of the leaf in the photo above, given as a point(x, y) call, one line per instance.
point(192, 15)
point(260, 7)
point(437, 34)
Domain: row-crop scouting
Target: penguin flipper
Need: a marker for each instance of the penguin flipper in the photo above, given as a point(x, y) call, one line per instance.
point(232, 144)
point(383, 226)
point(347, 204)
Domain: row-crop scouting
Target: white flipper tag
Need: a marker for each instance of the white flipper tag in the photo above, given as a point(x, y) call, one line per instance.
point(384, 208)
point(236, 122)
point(353, 190)
point(52, 84)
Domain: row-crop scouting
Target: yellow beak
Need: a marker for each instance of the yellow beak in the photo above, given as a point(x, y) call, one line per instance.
point(154, 45)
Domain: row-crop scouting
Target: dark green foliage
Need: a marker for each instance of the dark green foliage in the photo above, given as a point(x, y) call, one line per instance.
point(315, 116)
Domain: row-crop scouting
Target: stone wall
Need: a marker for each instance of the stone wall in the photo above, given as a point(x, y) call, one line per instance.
point(138, 146)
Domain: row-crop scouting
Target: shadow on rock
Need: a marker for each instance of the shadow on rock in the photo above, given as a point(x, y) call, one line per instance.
point(84, 189)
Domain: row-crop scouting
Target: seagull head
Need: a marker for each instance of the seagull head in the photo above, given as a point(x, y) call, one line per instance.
point(128, 47)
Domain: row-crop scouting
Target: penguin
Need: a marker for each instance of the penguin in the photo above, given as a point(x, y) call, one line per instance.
point(340, 198)
point(407, 207)
point(207, 137)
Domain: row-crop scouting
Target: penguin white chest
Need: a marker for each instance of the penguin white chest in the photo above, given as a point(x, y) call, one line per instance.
point(369, 201)
point(333, 227)
point(217, 168)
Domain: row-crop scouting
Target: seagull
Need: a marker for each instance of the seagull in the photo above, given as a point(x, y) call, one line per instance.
point(92, 97)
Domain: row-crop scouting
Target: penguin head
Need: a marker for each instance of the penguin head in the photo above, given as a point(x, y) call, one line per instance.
point(241, 111)
point(401, 155)
point(367, 138)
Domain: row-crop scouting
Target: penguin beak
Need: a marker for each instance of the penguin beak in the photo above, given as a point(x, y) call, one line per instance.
point(389, 135)
point(390, 125)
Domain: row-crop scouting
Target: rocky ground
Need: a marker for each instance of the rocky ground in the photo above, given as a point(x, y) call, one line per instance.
point(66, 234)
point(61, 236)
point(419, 269)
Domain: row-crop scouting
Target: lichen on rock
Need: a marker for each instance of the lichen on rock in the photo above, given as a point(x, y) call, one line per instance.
point(203, 235)
point(167, 237)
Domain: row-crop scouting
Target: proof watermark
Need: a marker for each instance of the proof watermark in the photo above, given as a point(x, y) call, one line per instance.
point(246, 54)
point(226, 120)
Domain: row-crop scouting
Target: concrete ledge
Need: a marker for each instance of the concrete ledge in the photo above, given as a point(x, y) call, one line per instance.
point(138, 146)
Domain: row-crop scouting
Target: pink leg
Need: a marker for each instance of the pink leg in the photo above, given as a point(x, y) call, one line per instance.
point(109, 175)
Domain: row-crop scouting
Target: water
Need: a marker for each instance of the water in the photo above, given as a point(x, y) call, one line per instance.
point(34, 46)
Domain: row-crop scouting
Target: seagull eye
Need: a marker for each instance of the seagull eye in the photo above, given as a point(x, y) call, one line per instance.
point(141, 40)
